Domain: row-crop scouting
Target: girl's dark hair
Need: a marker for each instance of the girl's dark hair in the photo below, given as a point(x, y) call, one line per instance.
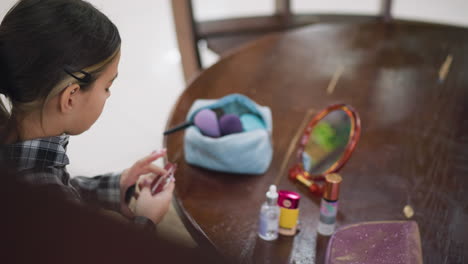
point(43, 43)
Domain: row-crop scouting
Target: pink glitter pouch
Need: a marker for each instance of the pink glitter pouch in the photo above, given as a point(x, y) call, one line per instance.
point(376, 242)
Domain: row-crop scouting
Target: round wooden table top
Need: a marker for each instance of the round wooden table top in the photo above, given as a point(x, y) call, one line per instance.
point(409, 84)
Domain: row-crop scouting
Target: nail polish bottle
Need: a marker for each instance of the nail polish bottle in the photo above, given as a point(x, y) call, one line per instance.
point(269, 215)
point(329, 204)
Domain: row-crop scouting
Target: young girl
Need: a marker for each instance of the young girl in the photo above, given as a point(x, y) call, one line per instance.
point(58, 59)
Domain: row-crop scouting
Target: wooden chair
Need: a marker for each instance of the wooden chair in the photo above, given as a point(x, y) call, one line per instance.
point(223, 35)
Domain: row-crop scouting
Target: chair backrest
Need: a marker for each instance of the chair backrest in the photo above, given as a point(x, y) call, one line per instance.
point(189, 31)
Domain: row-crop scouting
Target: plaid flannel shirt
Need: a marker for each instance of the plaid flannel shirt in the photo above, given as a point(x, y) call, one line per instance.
point(43, 162)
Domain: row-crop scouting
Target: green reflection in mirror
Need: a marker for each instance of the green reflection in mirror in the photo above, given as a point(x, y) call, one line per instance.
point(327, 142)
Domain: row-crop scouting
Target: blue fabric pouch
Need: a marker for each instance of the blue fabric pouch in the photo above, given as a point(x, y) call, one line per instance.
point(248, 152)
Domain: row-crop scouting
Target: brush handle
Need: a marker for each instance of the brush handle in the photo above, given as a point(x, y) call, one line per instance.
point(177, 128)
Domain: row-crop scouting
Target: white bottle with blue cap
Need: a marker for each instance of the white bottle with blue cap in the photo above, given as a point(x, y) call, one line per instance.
point(269, 216)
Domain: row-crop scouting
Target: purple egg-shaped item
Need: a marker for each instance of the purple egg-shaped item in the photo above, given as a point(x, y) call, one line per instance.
point(229, 124)
point(207, 122)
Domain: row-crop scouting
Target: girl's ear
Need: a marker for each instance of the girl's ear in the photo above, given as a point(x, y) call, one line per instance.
point(68, 98)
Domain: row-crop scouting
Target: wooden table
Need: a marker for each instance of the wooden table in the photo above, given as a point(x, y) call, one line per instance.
point(413, 148)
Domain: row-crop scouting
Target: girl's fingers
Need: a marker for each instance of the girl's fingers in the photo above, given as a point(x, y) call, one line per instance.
point(151, 168)
point(146, 180)
point(148, 176)
point(143, 184)
point(152, 157)
point(169, 188)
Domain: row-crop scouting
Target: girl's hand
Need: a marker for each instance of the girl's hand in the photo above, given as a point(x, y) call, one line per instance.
point(130, 176)
point(154, 207)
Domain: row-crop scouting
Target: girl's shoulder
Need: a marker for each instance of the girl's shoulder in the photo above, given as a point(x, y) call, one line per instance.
point(34, 154)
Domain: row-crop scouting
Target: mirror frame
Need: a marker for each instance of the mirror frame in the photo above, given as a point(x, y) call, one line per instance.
point(298, 169)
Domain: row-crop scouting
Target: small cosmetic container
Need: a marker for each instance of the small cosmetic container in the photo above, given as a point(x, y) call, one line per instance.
point(329, 204)
point(289, 212)
point(269, 214)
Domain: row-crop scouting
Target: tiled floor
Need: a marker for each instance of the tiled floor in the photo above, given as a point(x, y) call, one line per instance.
point(150, 77)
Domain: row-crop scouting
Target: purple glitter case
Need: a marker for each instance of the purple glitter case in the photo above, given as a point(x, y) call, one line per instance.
point(376, 242)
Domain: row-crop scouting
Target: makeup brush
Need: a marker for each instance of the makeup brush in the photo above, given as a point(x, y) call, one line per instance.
point(206, 120)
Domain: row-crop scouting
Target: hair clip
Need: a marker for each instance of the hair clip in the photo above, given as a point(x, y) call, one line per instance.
point(69, 70)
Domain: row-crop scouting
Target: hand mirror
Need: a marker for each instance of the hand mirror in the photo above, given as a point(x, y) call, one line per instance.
point(326, 145)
